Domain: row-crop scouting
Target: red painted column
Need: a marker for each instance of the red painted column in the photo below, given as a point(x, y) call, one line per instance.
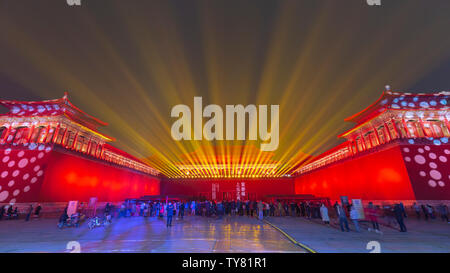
point(30, 134)
point(422, 127)
point(55, 135)
point(376, 135)
point(89, 145)
point(363, 142)
point(395, 128)
point(386, 127)
point(74, 141)
point(5, 137)
point(64, 139)
point(447, 124)
point(46, 134)
point(406, 128)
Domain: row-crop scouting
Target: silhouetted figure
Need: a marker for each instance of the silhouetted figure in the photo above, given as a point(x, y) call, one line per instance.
point(398, 212)
point(30, 211)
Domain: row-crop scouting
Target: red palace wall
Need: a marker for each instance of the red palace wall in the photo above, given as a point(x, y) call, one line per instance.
point(260, 187)
point(397, 173)
point(41, 174)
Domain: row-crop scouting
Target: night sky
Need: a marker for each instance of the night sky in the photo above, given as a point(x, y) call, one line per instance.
point(128, 62)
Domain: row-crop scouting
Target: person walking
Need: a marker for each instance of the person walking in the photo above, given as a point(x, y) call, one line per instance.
point(342, 218)
point(354, 215)
point(398, 212)
point(324, 214)
point(169, 211)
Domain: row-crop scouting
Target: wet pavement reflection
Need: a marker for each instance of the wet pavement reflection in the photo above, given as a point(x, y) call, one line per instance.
point(138, 234)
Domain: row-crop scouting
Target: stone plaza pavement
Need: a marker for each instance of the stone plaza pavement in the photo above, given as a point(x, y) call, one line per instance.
point(432, 236)
point(232, 234)
point(139, 234)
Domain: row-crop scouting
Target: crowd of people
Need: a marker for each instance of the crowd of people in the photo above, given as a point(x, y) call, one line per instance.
point(8, 212)
point(391, 215)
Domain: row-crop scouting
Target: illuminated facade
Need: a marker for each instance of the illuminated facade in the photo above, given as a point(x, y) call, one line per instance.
point(51, 151)
point(398, 150)
point(33, 134)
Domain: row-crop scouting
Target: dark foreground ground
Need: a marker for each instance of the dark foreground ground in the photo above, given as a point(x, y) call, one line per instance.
point(432, 236)
point(236, 234)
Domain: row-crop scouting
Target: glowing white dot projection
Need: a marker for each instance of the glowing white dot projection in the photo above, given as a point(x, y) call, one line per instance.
point(419, 159)
point(432, 183)
point(23, 163)
point(435, 174)
point(3, 195)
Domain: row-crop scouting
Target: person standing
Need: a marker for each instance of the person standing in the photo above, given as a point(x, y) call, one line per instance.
point(425, 212)
point(182, 207)
point(324, 214)
point(416, 209)
point(342, 218)
point(279, 208)
point(260, 210)
point(399, 217)
point(30, 211)
point(354, 215)
point(373, 216)
point(37, 210)
point(169, 211)
point(308, 210)
point(2, 212)
point(402, 207)
point(443, 210)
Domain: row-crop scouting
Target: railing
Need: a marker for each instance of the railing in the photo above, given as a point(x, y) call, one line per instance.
point(115, 158)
